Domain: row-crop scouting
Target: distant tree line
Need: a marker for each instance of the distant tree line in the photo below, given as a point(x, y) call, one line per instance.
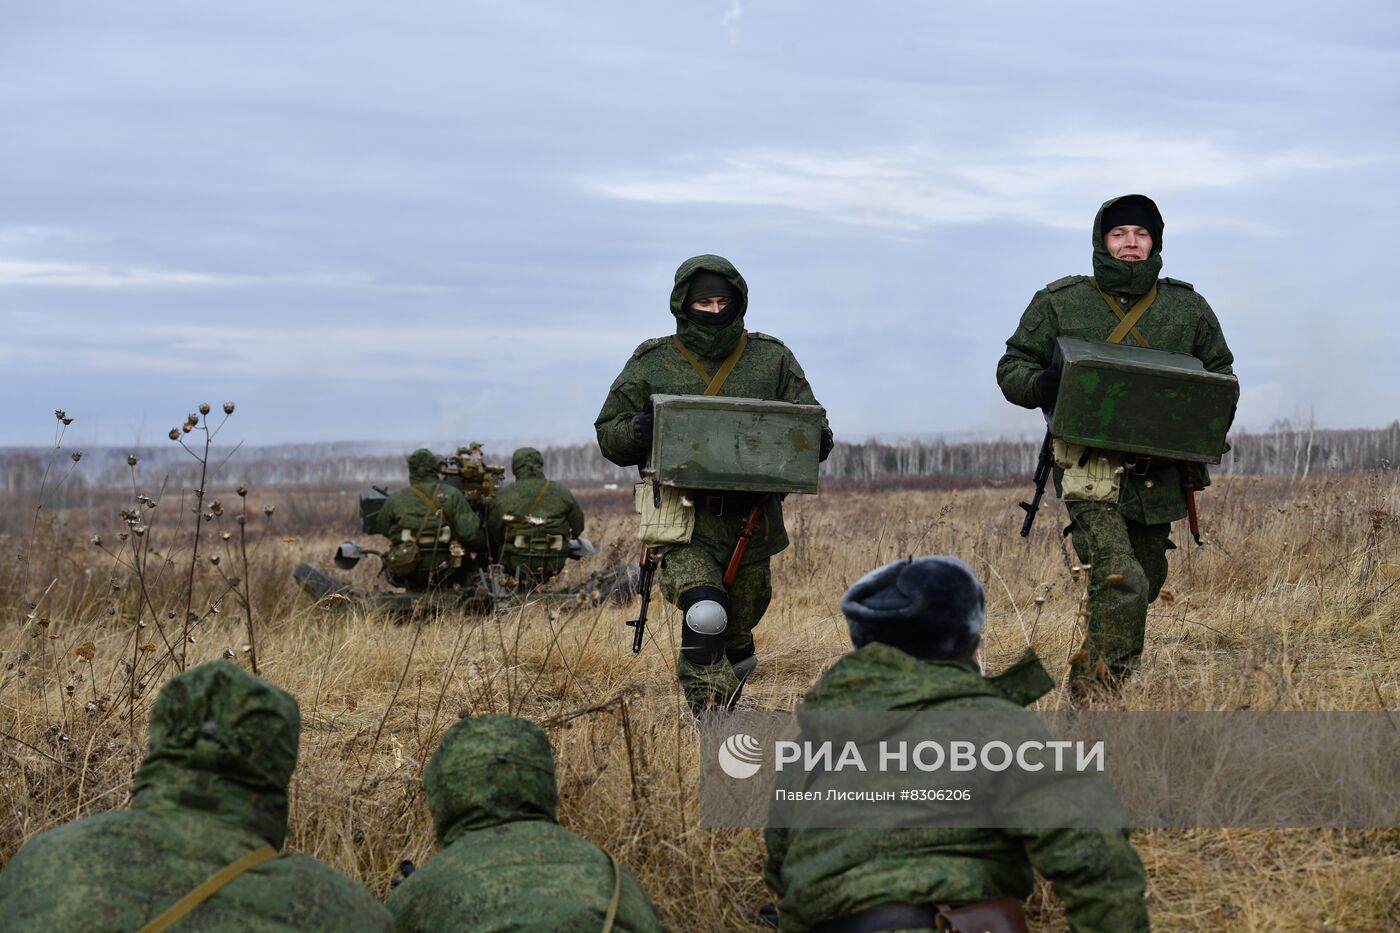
point(1283, 450)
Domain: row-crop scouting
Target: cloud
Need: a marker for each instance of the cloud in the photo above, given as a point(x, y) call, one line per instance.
point(1046, 180)
point(68, 274)
point(730, 21)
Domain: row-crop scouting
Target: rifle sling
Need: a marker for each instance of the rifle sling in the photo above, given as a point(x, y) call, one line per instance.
point(1127, 322)
point(523, 520)
point(713, 383)
point(207, 889)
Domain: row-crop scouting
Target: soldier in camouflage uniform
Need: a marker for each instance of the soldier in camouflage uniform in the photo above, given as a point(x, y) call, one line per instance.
point(211, 792)
point(506, 865)
point(708, 301)
point(437, 518)
point(1123, 537)
point(532, 520)
point(916, 627)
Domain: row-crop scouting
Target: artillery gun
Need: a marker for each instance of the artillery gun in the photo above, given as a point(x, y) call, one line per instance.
point(485, 586)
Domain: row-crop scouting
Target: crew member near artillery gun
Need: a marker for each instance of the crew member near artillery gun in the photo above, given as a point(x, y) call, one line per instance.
point(916, 626)
point(709, 354)
point(432, 529)
point(532, 521)
point(1121, 503)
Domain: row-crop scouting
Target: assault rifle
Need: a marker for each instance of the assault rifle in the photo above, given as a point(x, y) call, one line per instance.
point(1042, 476)
point(644, 585)
point(1189, 484)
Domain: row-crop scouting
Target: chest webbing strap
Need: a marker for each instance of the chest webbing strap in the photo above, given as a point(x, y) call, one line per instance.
point(176, 911)
point(1127, 322)
point(536, 504)
point(716, 382)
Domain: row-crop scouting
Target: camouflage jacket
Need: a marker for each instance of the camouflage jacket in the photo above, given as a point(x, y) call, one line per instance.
point(506, 865)
point(767, 370)
point(405, 508)
point(1179, 319)
point(557, 508)
point(821, 874)
point(213, 788)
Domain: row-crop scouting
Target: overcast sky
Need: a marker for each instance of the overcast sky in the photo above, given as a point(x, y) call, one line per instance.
point(423, 221)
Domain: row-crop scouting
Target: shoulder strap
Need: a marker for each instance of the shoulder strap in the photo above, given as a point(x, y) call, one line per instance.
point(536, 504)
point(433, 506)
point(177, 911)
point(616, 895)
point(716, 382)
point(1127, 323)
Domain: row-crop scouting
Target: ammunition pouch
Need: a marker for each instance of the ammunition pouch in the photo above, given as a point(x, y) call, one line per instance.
point(1090, 474)
point(671, 522)
point(403, 556)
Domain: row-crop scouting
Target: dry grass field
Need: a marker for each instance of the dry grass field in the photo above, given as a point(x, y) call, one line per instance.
point(1292, 605)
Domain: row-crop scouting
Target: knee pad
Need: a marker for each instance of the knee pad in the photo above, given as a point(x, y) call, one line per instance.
point(706, 613)
point(744, 666)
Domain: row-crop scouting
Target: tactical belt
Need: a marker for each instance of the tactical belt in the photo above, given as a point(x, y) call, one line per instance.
point(177, 911)
point(726, 504)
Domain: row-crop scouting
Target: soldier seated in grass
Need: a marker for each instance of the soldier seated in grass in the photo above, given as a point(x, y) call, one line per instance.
point(197, 848)
point(532, 521)
point(433, 531)
point(506, 865)
point(916, 626)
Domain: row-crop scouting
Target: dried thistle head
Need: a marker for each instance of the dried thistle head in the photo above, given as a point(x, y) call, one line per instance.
point(242, 489)
point(175, 433)
point(132, 459)
point(214, 559)
point(204, 408)
point(87, 651)
point(60, 414)
point(228, 408)
point(269, 509)
point(192, 419)
point(97, 540)
point(76, 455)
point(186, 427)
point(216, 508)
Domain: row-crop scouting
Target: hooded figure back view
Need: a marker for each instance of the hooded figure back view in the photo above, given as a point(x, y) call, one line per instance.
point(211, 792)
point(532, 520)
point(506, 864)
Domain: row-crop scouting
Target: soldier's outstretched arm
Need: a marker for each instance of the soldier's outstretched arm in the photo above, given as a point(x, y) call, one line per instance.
point(1097, 875)
point(1028, 351)
point(626, 397)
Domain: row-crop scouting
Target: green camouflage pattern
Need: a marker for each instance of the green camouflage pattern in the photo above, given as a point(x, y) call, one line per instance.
point(506, 864)
point(767, 370)
point(717, 685)
point(558, 513)
point(1179, 320)
point(822, 874)
point(213, 787)
point(1134, 555)
point(404, 509)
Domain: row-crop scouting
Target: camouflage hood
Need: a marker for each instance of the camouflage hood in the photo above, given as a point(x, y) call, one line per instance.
point(527, 463)
point(224, 742)
point(881, 677)
point(1117, 276)
point(708, 341)
point(422, 466)
point(490, 769)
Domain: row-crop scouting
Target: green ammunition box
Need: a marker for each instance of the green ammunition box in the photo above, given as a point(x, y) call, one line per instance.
point(1143, 401)
point(736, 444)
point(371, 501)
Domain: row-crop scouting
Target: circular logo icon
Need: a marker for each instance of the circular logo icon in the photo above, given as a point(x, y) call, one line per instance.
point(740, 756)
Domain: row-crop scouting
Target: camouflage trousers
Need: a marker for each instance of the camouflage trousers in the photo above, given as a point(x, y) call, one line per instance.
point(686, 566)
point(1128, 565)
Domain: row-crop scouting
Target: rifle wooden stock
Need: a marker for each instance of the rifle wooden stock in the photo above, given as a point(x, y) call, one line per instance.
point(745, 536)
point(1189, 483)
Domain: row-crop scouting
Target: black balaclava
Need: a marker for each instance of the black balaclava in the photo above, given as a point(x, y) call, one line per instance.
point(707, 284)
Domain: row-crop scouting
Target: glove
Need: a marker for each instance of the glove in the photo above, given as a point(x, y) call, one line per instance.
point(642, 424)
point(1047, 387)
point(828, 442)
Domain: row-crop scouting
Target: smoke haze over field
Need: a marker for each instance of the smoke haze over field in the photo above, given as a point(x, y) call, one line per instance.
point(434, 219)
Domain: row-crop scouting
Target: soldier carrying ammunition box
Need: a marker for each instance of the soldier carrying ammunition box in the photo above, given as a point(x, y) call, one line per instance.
point(1124, 467)
point(710, 354)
